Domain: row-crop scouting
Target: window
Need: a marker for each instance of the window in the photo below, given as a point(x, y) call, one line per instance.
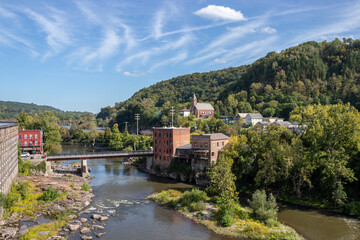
point(223, 143)
point(200, 144)
point(218, 144)
point(206, 145)
point(167, 135)
point(159, 134)
point(167, 142)
point(195, 144)
point(155, 134)
point(25, 136)
point(212, 154)
point(36, 136)
point(30, 136)
point(30, 143)
point(25, 144)
point(36, 143)
point(155, 141)
point(20, 137)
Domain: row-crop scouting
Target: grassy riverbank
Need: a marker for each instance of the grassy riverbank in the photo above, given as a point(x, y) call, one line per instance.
point(197, 206)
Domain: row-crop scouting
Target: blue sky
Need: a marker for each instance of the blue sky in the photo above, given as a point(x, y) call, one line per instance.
point(84, 55)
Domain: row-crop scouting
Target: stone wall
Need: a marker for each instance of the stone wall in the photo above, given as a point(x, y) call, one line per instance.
point(8, 155)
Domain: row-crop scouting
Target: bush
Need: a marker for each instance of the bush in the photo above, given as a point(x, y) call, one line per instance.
point(265, 209)
point(85, 187)
point(227, 220)
point(195, 195)
point(49, 195)
point(72, 186)
point(197, 206)
point(2, 199)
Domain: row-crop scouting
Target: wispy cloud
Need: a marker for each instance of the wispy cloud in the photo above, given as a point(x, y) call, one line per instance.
point(129, 74)
point(87, 58)
point(144, 56)
point(56, 28)
point(158, 24)
point(269, 30)
point(216, 13)
point(87, 12)
point(176, 59)
point(6, 13)
point(347, 20)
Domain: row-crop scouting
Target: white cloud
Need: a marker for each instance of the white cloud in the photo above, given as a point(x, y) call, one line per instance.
point(220, 61)
point(56, 28)
point(86, 58)
point(178, 58)
point(269, 30)
point(87, 12)
point(129, 74)
point(214, 12)
point(6, 13)
point(158, 24)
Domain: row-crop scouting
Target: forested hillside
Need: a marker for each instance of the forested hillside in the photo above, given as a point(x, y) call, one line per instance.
point(312, 72)
point(10, 110)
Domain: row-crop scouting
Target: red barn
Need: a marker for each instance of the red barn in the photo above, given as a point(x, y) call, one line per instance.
point(31, 141)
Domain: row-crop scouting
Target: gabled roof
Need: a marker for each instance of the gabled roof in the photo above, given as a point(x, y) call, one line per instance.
point(204, 106)
point(255, 115)
point(241, 115)
point(217, 136)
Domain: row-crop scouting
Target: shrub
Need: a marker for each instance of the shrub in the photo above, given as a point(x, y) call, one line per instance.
point(197, 206)
point(2, 199)
point(64, 215)
point(195, 195)
point(265, 209)
point(49, 195)
point(72, 186)
point(85, 187)
point(227, 220)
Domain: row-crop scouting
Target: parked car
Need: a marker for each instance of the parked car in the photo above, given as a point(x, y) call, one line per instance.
point(25, 154)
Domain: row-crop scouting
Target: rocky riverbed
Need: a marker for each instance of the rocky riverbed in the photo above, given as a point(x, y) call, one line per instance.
point(57, 219)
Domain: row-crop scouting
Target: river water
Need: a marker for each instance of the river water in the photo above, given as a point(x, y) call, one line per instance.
point(120, 190)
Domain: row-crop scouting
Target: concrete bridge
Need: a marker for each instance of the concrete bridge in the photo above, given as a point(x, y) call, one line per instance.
point(97, 155)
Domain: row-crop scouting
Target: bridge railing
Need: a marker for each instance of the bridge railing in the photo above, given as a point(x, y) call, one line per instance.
point(139, 152)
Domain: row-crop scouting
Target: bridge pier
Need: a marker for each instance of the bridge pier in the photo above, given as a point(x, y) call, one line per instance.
point(84, 168)
point(149, 163)
point(48, 167)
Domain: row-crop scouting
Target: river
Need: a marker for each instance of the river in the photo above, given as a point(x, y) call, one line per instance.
point(121, 190)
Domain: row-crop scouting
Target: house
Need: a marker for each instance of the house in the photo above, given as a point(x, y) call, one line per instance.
point(31, 141)
point(184, 112)
point(240, 115)
point(273, 119)
point(201, 110)
point(253, 119)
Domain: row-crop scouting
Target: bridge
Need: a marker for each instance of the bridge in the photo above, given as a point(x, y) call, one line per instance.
point(96, 155)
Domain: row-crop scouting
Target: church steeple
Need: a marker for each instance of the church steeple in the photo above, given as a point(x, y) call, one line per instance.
point(194, 101)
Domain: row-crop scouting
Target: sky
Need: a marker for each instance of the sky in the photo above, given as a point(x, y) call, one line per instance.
point(85, 55)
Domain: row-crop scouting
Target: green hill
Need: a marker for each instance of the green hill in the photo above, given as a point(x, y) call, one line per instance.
point(10, 110)
point(312, 72)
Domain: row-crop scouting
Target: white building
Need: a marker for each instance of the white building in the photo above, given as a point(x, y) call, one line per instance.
point(185, 112)
point(253, 118)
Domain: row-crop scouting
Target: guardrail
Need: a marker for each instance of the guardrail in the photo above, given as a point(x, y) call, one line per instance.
point(101, 153)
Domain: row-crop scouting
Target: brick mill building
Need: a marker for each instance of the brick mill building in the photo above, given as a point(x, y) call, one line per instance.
point(201, 110)
point(166, 140)
point(8, 155)
point(31, 141)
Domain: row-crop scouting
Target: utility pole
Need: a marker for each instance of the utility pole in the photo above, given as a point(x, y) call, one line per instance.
point(126, 125)
point(137, 118)
point(172, 116)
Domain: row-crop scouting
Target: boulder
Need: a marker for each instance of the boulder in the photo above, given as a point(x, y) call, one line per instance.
point(97, 227)
point(74, 227)
point(44, 233)
point(9, 232)
point(23, 230)
point(99, 235)
point(86, 237)
point(57, 208)
point(85, 230)
point(83, 220)
point(96, 216)
point(104, 218)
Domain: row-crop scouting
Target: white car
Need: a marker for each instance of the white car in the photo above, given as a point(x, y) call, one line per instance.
point(25, 154)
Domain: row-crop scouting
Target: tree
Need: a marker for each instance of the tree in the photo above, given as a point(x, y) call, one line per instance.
point(115, 138)
point(223, 182)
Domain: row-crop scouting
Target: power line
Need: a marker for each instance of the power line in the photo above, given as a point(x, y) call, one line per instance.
point(137, 118)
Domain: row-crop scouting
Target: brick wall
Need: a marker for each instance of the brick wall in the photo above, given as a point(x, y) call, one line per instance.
point(8, 156)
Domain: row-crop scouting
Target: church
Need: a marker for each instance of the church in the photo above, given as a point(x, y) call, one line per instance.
point(201, 110)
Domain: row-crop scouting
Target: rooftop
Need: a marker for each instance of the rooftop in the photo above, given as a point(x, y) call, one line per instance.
point(8, 124)
point(204, 106)
point(255, 115)
point(184, 147)
point(171, 128)
point(214, 136)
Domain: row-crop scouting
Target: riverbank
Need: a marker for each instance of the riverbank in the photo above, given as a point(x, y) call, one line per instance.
point(204, 212)
point(49, 207)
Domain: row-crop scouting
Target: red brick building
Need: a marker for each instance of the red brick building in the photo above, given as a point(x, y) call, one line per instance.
point(166, 140)
point(31, 141)
point(201, 110)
